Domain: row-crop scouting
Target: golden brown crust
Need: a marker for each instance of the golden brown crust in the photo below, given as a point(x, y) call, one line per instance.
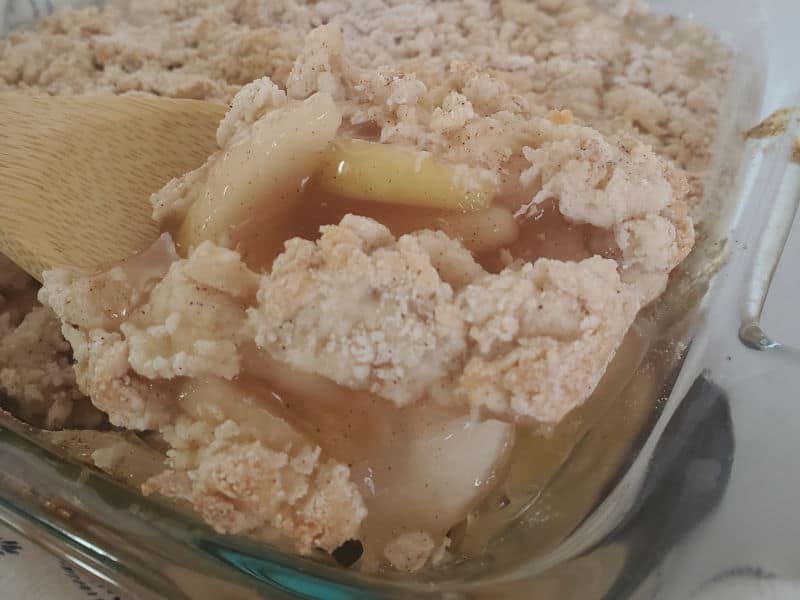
point(547, 54)
point(542, 336)
point(373, 313)
point(363, 309)
point(260, 474)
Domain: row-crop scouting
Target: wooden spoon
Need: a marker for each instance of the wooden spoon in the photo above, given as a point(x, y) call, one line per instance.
point(76, 173)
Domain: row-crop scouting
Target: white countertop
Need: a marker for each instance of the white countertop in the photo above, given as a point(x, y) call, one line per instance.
point(28, 572)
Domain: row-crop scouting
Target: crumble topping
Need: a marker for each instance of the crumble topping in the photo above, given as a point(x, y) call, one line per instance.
point(242, 479)
point(409, 551)
point(372, 313)
point(363, 309)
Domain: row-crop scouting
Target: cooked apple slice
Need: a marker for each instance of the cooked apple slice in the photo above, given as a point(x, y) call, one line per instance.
point(419, 469)
point(362, 170)
point(257, 178)
point(428, 474)
point(482, 231)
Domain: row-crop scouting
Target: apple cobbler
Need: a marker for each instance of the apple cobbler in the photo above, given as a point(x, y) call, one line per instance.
point(417, 239)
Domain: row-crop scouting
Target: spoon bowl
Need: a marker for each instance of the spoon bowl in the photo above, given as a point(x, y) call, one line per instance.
point(76, 173)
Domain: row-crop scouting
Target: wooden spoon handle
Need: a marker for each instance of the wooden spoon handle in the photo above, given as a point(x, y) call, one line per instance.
point(76, 173)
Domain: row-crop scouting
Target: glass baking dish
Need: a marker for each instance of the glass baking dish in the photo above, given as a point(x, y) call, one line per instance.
point(678, 496)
